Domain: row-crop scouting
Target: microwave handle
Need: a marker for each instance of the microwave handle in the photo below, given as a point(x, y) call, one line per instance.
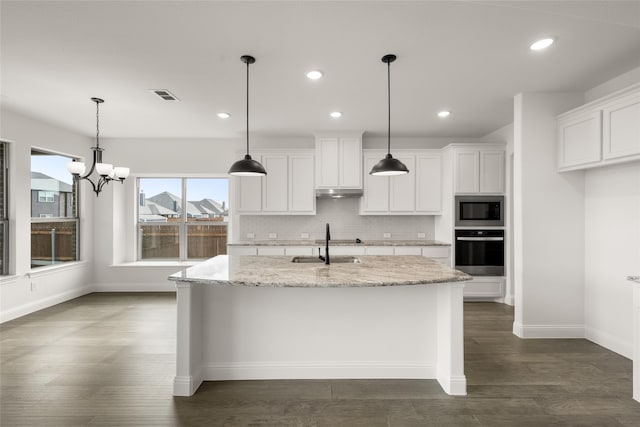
point(480, 239)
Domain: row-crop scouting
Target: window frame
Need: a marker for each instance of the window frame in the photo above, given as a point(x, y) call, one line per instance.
point(182, 225)
point(43, 220)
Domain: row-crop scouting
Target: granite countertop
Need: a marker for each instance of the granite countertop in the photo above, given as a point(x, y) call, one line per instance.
point(340, 242)
point(279, 271)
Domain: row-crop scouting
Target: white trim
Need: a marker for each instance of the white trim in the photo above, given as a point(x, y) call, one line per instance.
point(318, 370)
point(165, 264)
point(186, 385)
point(548, 331)
point(609, 342)
point(134, 287)
point(5, 280)
point(456, 385)
point(56, 268)
point(33, 306)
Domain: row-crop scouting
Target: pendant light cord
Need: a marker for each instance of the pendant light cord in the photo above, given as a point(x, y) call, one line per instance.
point(389, 107)
point(247, 108)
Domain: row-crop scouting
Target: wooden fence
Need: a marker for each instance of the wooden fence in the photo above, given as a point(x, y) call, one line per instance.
point(52, 242)
point(163, 241)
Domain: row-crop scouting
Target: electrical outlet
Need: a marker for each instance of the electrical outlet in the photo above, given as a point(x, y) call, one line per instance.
point(273, 235)
point(304, 235)
point(386, 235)
point(251, 235)
point(422, 235)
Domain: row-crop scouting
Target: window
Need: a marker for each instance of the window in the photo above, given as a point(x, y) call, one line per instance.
point(182, 218)
point(4, 227)
point(54, 210)
point(45, 197)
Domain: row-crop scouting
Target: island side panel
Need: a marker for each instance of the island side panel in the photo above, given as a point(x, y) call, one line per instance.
point(189, 329)
point(450, 363)
point(307, 333)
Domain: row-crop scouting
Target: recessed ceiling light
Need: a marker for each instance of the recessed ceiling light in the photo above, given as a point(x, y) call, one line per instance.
point(335, 114)
point(444, 113)
point(314, 74)
point(224, 115)
point(542, 44)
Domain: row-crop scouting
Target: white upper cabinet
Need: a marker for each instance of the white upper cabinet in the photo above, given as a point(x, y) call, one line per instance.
point(248, 191)
point(302, 196)
point(339, 161)
point(621, 127)
point(479, 171)
point(579, 139)
point(417, 193)
point(288, 187)
point(600, 133)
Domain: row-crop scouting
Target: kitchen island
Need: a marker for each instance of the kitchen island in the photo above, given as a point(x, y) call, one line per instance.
point(266, 317)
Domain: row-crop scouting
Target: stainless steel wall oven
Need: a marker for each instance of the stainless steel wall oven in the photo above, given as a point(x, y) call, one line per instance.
point(480, 252)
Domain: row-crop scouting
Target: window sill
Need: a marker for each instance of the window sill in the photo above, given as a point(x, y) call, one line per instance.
point(161, 264)
point(48, 269)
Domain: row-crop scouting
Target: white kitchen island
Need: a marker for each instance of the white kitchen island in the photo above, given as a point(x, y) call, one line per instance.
point(263, 317)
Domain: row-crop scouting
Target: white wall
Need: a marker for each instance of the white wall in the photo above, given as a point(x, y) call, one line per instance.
point(505, 135)
point(26, 290)
point(612, 252)
point(548, 224)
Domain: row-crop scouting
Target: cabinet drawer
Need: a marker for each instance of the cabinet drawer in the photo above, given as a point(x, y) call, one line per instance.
point(379, 250)
point(484, 287)
point(346, 250)
point(408, 250)
point(270, 250)
point(436, 251)
point(299, 250)
point(242, 250)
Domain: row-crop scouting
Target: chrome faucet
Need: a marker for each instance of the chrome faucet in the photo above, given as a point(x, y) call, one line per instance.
point(325, 258)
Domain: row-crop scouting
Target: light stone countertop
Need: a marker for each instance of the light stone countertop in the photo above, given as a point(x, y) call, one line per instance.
point(339, 242)
point(279, 271)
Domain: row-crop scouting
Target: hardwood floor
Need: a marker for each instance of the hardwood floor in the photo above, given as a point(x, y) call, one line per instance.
point(108, 360)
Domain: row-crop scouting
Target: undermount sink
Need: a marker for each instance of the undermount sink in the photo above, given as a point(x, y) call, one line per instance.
point(333, 260)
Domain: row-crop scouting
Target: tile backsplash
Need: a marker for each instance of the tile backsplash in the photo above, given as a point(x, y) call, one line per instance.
point(345, 222)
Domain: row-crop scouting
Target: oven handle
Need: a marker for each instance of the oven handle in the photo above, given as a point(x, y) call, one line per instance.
point(481, 239)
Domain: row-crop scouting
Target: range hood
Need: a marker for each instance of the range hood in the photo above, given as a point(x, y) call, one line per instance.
point(338, 193)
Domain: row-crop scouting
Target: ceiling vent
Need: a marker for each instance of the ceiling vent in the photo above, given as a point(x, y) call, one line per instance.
point(165, 94)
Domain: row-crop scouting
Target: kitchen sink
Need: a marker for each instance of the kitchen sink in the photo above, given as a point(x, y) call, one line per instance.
point(333, 260)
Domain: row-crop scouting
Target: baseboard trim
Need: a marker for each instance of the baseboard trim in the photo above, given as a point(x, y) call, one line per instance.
point(134, 287)
point(184, 385)
point(33, 306)
point(609, 342)
point(320, 370)
point(456, 386)
point(548, 331)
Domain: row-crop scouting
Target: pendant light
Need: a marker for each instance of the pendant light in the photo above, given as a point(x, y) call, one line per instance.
point(247, 166)
point(106, 172)
point(389, 166)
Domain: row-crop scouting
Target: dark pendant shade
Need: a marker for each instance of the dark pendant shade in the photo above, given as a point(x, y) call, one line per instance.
point(247, 167)
point(389, 167)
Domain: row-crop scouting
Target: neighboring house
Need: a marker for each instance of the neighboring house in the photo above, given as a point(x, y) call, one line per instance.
point(205, 208)
point(50, 198)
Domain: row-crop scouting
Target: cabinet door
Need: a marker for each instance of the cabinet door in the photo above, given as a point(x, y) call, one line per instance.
point(428, 183)
point(248, 192)
point(376, 188)
point(350, 161)
point(621, 128)
point(402, 188)
point(467, 171)
point(275, 183)
point(579, 139)
point(491, 171)
point(379, 250)
point(302, 197)
point(327, 153)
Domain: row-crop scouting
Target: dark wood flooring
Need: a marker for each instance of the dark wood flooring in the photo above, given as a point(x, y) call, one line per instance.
point(108, 360)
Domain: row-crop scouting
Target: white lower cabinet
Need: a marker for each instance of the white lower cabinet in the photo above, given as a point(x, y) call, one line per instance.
point(484, 287)
point(379, 250)
point(242, 250)
point(271, 250)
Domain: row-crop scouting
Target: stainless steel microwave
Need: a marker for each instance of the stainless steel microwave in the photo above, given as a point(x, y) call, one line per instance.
point(479, 211)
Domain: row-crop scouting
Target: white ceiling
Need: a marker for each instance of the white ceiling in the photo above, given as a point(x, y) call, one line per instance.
point(467, 56)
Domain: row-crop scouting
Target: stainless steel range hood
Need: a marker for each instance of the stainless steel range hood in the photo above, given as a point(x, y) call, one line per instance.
point(338, 193)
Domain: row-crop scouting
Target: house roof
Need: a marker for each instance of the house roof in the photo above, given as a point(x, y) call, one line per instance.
point(42, 182)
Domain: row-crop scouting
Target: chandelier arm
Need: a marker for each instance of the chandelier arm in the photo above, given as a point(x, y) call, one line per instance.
point(389, 108)
point(248, 108)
